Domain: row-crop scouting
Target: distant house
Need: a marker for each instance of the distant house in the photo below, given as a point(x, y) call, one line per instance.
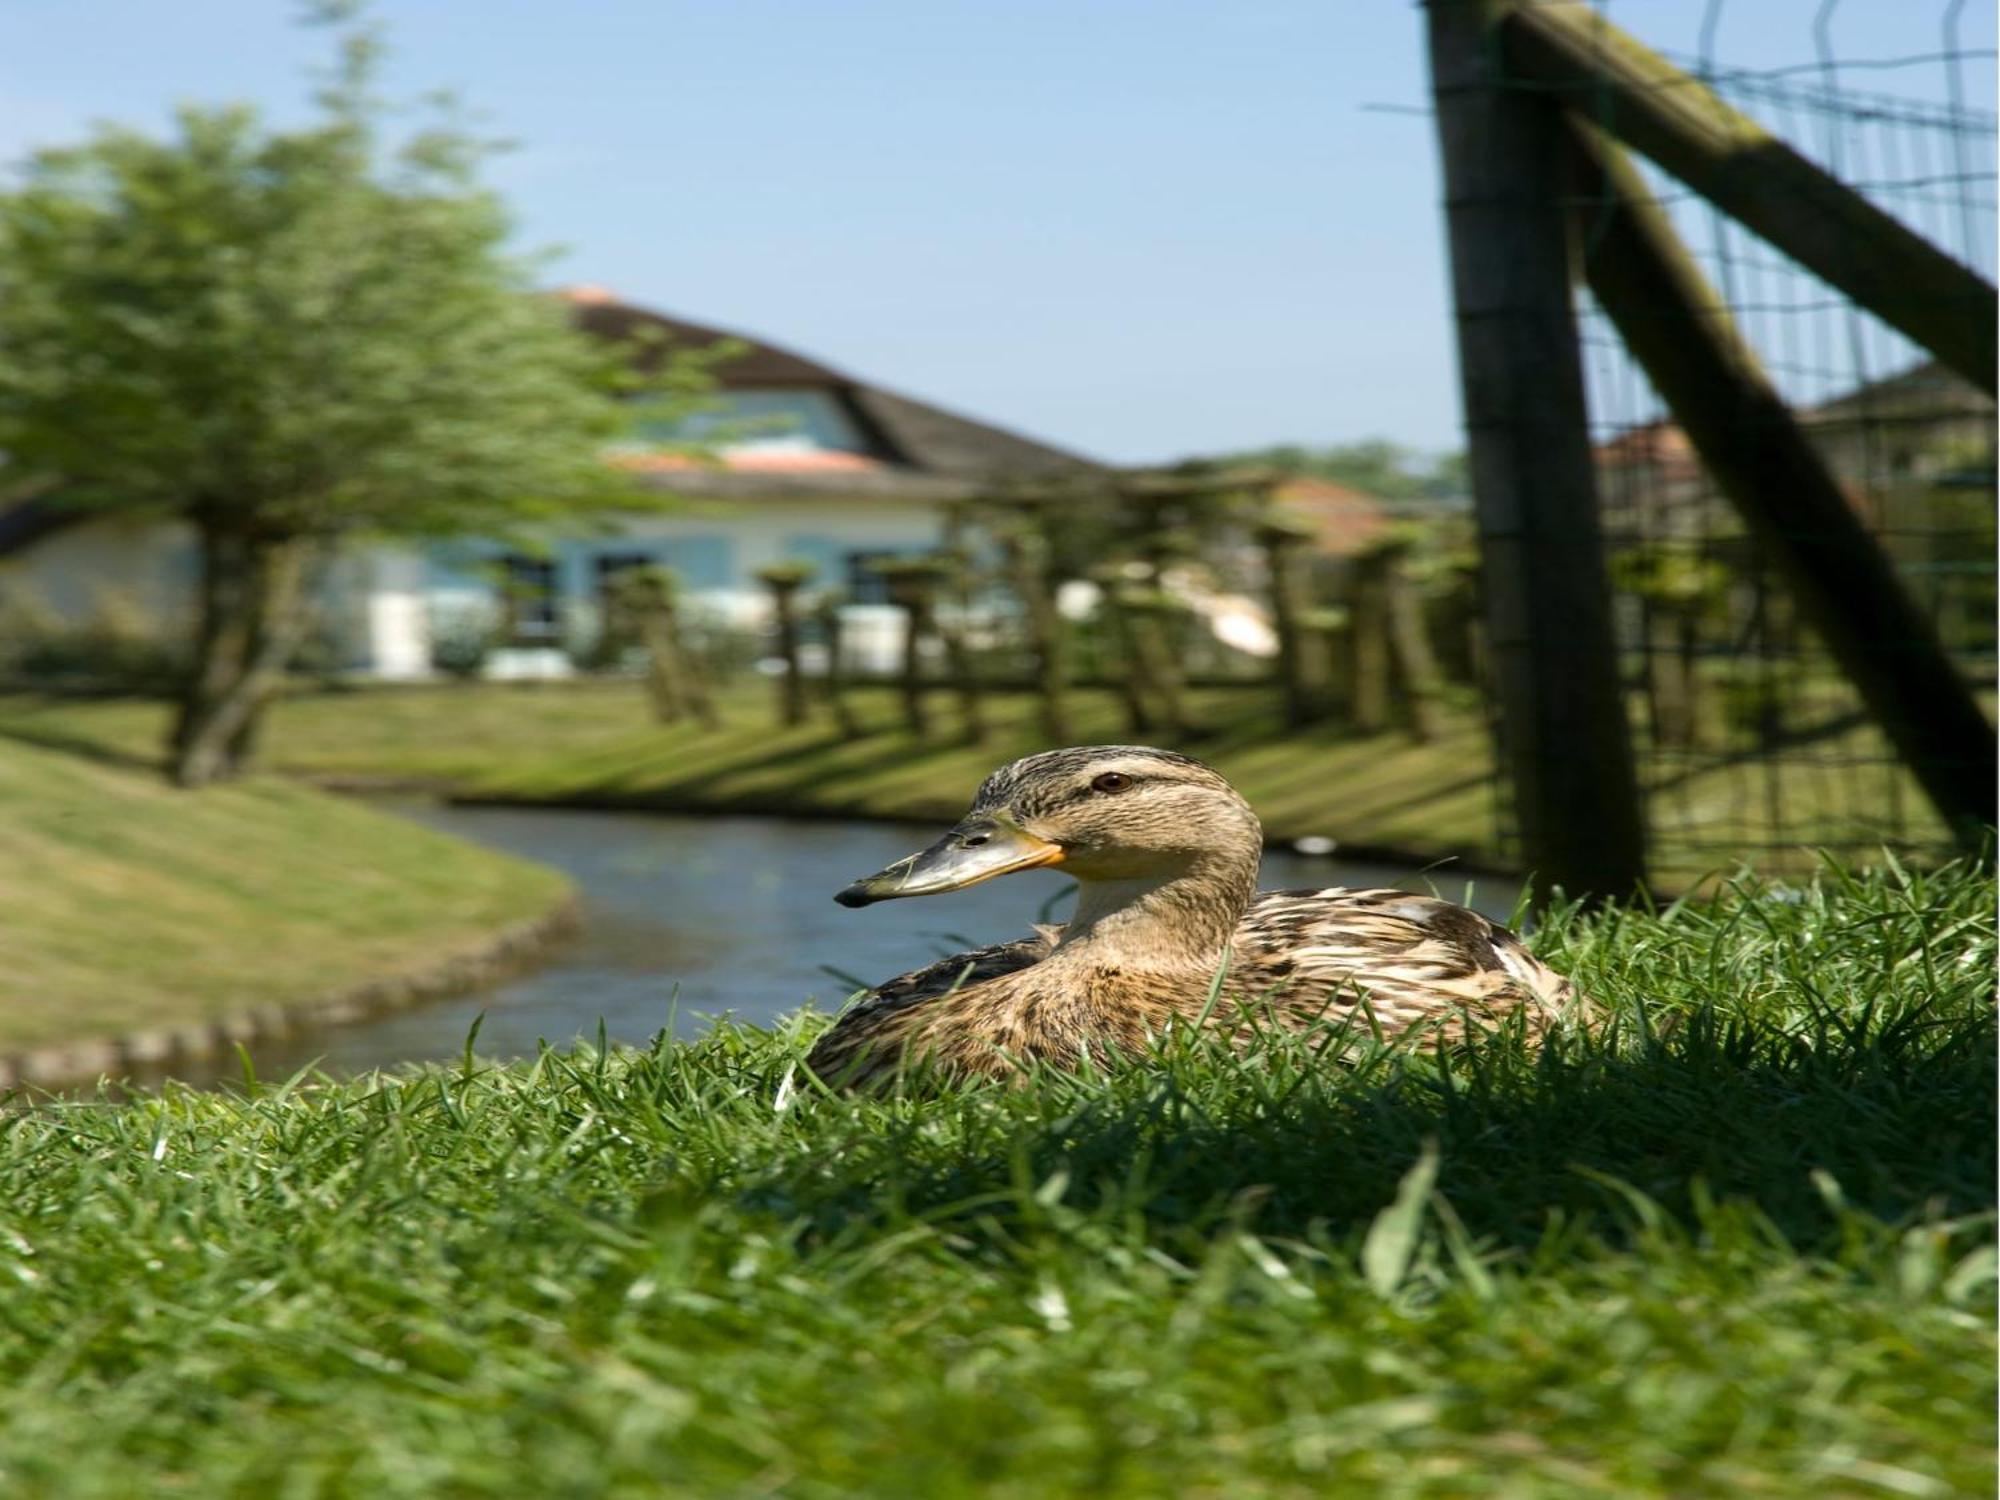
point(809, 464)
point(1891, 443)
point(1344, 520)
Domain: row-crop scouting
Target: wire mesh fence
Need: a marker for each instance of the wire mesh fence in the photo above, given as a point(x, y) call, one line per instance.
point(1750, 740)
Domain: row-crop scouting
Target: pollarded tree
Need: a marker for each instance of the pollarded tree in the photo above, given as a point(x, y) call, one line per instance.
point(784, 580)
point(647, 599)
point(1284, 538)
point(287, 339)
point(914, 584)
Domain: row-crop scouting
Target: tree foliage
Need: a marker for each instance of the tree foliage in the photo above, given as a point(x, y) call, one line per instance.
point(287, 337)
point(1375, 466)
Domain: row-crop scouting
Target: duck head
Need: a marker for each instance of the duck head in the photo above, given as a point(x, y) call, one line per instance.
point(1103, 813)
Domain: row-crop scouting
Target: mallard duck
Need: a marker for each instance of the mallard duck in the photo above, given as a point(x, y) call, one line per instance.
point(1165, 855)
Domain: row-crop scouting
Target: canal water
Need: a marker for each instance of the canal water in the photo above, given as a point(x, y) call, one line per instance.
point(689, 918)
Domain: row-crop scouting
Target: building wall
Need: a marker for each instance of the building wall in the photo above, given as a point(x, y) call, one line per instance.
point(716, 553)
point(381, 606)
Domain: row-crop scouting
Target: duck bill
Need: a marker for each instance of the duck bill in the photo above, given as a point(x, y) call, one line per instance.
point(977, 849)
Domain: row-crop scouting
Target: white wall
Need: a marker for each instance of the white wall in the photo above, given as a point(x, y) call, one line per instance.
point(378, 601)
point(397, 632)
point(764, 532)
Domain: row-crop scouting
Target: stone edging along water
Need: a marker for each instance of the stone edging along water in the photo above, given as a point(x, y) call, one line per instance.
point(485, 962)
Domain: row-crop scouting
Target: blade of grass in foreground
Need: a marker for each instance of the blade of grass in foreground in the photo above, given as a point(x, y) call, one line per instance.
point(1752, 1255)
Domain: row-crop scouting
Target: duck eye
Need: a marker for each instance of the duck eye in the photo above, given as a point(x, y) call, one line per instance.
point(1110, 781)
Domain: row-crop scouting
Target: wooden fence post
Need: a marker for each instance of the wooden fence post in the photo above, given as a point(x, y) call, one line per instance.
point(1565, 743)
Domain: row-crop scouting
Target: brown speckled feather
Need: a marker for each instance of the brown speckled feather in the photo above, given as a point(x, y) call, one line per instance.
point(1304, 957)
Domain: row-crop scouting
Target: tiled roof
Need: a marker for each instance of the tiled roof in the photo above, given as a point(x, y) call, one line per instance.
point(752, 461)
point(900, 431)
point(1344, 520)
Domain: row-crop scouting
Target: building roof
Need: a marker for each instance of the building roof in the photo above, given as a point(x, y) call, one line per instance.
point(1344, 520)
point(900, 432)
point(597, 311)
point(914, 450)
point(1926, 390)
point(1658, 447)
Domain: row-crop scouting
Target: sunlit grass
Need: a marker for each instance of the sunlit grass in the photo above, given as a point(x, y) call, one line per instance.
point(125, 903)
point(594, 743)
point(1744, 1246)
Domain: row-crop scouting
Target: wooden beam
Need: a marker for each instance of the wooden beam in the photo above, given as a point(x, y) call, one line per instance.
point(1565, 744)
point(1680, 331)
point(1623, 86)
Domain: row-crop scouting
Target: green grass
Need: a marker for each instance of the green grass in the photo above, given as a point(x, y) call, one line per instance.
point(1752, 1258)
point(125, 903)
point(592, 743)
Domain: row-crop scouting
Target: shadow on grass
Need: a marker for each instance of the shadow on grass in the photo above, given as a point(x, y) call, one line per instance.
point(1899, 1115)
point(47, 737)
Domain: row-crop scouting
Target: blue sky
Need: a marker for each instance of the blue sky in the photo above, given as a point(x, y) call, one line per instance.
point(1141, 228)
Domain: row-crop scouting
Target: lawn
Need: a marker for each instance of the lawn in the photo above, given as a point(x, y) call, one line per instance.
point(1754, 1257)
point(125, 903)
point(593, 744)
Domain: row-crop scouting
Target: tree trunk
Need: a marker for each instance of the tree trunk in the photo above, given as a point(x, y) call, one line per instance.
point(253, 617)
point(916, 625)
point(792, 684)
point(221, 634)
point(1132, 680)
point(1162, 672)
point(693, 675)
point(1332, 632)
point(664, 682)
point(964, 681)
point(1410, 650)
point(835, 682)
point(690, 678)
point(1288, 609)
point(1027, 569)
point(1368, 649)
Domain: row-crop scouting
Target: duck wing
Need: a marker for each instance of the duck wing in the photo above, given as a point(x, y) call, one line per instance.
point(881, 1020)
point(1414, 959)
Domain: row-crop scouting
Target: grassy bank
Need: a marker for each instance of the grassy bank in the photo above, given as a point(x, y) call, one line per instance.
point(1753, 1259)
point(593, 743)
point(125, 904)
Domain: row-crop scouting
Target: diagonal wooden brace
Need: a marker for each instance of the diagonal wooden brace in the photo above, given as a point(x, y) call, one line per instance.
point(1682, 335)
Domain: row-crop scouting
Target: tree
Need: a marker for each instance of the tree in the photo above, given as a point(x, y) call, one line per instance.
point(1682, 596)
point(288, 339)
point(1375, 466)
point(784, 580)
point(1022, 531)
point(1282, 538)
point(1392, 671)
point(914, 584)
point(826, 612)
point(649, 598)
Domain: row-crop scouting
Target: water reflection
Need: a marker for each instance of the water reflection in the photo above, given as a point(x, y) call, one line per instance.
point(692, 917)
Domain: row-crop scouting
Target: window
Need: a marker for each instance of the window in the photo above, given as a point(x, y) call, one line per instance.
point(825, 553)
point(528, 591)
point(704, 562)
point(864, 584)
point(747, 420)
point(610, 565)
